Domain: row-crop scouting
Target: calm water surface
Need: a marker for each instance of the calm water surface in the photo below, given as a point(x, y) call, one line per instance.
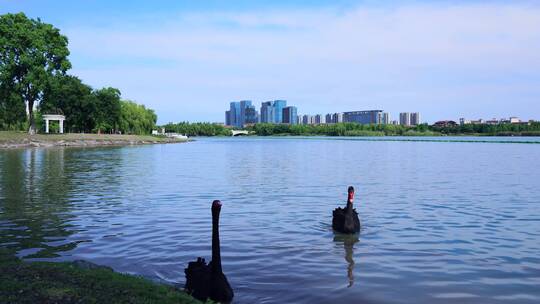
point(441, 222)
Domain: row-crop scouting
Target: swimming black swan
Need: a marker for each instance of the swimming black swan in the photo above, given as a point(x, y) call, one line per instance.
point(346, 220)
point(208, 281)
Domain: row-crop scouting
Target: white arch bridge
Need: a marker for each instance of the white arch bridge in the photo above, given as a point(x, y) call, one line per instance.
point(239, 132)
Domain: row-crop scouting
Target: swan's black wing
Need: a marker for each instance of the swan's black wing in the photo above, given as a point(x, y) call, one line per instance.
point(198, 279)
point(338, 219)
point(220, 290)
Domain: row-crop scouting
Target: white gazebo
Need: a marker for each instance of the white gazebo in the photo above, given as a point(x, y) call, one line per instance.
point(49, 117)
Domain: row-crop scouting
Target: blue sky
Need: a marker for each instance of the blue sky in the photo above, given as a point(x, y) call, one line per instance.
point(189, 59)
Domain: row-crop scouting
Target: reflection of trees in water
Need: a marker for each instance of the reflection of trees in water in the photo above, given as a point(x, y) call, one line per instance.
point(35, 209)
point(348, 241)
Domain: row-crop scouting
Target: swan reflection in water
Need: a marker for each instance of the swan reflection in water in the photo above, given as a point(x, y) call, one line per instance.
point(348, 241)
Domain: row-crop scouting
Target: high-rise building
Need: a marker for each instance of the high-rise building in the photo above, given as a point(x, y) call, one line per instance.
point(272, 111)
point(337, 117)
point(278, 106)
point(290, 115)
point(415, 119)
point(244, 105)
point(251, 115)
point(363, 117)
point(386, 118)
point(234, 114)
point(328, 118)
point(267, 112)
point(241, 113)
point(405, 119)
point(227, 118)
point(319, 119)
point(307, 119)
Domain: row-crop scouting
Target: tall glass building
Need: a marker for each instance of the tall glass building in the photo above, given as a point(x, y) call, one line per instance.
point(278, 106)
point(235, 114)
point(290, 115)
point(251, 116)
point(227, 118)
point(267, 112)
point(244, 105)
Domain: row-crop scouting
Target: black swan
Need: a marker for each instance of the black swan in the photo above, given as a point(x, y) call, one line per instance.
point(345, 220)
point(208, 281)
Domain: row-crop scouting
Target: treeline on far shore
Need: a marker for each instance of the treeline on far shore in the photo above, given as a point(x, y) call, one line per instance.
point(503, 129)
point(197, 129)
point(355, 129)
point(341, 129)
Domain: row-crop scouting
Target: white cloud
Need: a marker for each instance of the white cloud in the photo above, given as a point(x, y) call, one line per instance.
point(411, 57)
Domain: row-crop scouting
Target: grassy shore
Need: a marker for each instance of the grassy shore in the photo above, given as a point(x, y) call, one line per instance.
point(78, 282)
point(10, 139)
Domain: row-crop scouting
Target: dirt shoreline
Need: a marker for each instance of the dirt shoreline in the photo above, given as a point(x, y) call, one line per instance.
point(17, 140)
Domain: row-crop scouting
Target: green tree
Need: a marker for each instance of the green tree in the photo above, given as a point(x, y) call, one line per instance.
point(30, 53)
point(136, 119)
point(108, 110)
point(67, 95)
point(12, 111)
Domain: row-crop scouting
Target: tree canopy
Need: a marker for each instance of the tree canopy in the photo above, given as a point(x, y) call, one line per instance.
point(197, 129)
point(31, 52)
point(33, 65)
point(67, 95)
point(136, 119)
point(100, 111)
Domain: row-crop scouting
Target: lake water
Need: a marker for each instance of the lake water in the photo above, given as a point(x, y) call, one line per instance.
point(442, 222)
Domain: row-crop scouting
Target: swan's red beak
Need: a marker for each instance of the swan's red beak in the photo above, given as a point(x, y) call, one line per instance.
point(351, 194)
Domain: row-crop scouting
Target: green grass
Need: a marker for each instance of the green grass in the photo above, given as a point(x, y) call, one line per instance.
point(46, 282)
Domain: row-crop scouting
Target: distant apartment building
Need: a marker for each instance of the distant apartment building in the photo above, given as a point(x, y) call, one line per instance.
point(405, 119)
point(307, 119)
point(494, 121)
point(415, 119)
point(337, 117)
point(319, 119)
point(385, 118)
point(463, 121)
point(290, 115)
point(328, 118)
point(364, 117)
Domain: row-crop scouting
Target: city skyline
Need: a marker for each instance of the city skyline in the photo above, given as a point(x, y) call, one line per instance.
point(242, 113)
point(445, 59)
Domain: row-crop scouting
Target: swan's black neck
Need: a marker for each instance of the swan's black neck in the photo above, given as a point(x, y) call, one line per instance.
point(349, 207)
point(216, 252)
